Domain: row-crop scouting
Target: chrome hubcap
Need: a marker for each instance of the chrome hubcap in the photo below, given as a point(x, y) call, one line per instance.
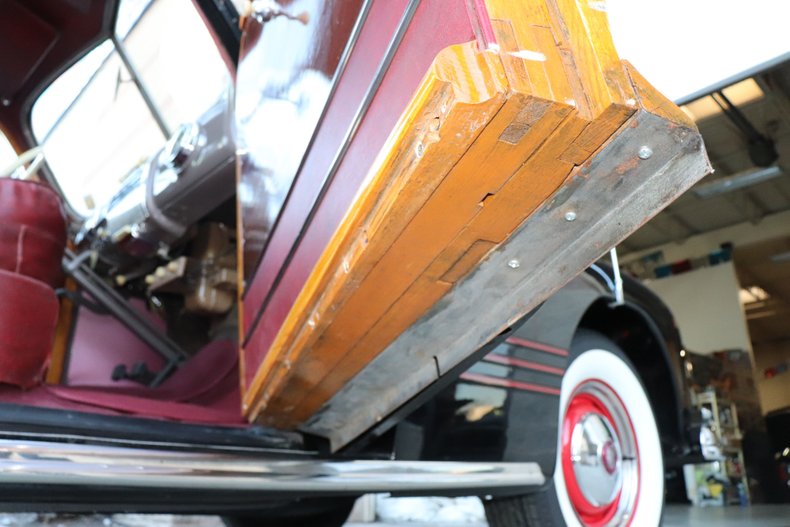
point(597, 459)
point(600, 456)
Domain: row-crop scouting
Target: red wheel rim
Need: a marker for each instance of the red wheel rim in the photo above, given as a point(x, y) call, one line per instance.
point(594, 401)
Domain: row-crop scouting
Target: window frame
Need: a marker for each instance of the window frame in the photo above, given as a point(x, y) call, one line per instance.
point(222, 21)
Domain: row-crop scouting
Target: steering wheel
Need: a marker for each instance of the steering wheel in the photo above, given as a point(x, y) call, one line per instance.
point(34, 156)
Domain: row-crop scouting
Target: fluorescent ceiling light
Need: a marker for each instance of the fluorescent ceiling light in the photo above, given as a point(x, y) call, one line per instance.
point(736, 181)
point(739, 94)
point(751, 294)
point(762, 314)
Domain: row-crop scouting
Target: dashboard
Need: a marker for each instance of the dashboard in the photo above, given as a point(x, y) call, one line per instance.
point(166, 195)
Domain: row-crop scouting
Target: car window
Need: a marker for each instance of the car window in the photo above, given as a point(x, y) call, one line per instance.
point(180, 66)
point(116, 106)
point(101, 134)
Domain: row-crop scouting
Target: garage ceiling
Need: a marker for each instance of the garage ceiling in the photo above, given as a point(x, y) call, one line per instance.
point(766, 265)
point(765, 101)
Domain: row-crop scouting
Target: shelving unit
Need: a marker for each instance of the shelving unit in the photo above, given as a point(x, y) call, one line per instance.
point(724, 424)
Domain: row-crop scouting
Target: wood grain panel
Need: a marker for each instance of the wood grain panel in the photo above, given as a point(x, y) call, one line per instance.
point(464, 101)
point(290, 257)
point(489, 136)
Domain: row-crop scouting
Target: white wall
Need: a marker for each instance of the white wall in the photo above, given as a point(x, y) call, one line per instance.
point(706, 308)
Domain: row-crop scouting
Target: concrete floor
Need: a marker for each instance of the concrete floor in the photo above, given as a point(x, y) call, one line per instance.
point(762, 515)
point(675, 516)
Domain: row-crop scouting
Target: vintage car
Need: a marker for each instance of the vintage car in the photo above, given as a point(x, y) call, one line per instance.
point(261, 258)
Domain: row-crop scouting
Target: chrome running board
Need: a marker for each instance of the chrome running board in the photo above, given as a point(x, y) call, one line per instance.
point(50, 463)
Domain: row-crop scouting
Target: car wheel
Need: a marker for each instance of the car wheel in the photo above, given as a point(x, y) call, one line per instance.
point(609, 468)
point(316, 512)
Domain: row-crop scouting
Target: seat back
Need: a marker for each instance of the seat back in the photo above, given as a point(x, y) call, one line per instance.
point(32, 204)
point(28, 317)
point(32, 241)
point(32, 230)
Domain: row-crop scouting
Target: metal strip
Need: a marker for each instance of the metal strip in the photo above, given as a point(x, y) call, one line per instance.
point(520, 363)
point(619, 295)
point(330, 175)
point(223, 18)
point(729, 81)
point(500, 382)
point(341, 67)
point(120, 47)
point(36, 436)
point(537, 346)
point(48, 463)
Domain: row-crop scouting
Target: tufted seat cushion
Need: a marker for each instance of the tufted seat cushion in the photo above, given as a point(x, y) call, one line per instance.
point(32, 230)
point(32, 204)
point(32, 240)
point(28, 317)
point(31, 252)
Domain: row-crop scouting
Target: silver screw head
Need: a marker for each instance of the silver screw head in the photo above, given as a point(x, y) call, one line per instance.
point(420, 150)
point(514, 264)
point(570, 216)
point(645, 152)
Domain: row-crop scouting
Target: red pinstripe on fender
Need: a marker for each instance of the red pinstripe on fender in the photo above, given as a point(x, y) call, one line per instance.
point(537, 346)
point(520, 363)
point(508, 383)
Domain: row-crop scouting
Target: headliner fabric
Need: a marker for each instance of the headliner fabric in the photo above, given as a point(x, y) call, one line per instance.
point(28, 318)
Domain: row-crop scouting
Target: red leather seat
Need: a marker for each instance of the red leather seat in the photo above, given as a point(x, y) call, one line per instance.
point(32, 204)
point(32, 240)
point(31, 252)
point(28, 316)
point(32, 230)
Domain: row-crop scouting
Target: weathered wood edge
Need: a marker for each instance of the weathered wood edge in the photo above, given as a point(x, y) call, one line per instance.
point(633, 190)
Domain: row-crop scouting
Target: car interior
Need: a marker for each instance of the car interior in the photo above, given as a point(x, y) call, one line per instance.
point(118, 229)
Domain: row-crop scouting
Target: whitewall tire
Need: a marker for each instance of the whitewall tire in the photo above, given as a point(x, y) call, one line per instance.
point(609, 469)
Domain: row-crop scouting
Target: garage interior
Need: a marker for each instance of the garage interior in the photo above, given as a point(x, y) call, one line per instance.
point(736, 356)
point(719, 258)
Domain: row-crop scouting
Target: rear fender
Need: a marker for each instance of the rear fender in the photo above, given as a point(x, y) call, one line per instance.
point(505, 409)
point(655, 355)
